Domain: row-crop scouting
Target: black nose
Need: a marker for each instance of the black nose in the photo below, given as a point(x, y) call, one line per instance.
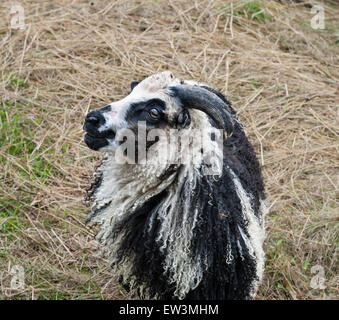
point(95, 118)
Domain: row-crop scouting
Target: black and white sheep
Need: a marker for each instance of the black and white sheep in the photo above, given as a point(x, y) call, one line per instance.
point(170, 230)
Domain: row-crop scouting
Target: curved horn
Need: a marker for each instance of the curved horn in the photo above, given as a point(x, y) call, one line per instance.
point(196, 97)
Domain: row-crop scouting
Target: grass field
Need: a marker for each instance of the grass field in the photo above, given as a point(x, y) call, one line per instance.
point(72, 56)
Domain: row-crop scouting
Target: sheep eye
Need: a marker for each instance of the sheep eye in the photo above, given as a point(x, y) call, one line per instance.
point(154, 113)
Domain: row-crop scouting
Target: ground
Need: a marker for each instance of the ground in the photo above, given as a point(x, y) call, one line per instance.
point(268, 58)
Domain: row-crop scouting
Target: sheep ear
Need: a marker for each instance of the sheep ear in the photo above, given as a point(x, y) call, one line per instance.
point(184, 118)
point(134, 84)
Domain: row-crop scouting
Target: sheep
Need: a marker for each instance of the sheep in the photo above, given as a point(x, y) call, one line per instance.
point(177, 229)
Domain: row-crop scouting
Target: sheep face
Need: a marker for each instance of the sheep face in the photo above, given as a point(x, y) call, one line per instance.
point(148, 104)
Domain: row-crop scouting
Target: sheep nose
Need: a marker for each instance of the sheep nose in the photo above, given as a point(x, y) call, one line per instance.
point(95, 118)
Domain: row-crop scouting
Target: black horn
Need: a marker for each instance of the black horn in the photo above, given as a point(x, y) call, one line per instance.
point(197, 97)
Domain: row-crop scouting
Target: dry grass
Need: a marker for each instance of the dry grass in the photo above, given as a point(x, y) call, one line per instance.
point(280, 74)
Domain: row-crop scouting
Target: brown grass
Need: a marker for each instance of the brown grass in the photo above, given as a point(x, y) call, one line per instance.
point(72, 56)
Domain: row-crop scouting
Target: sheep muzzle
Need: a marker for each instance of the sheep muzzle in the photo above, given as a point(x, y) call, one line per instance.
point(94, 137)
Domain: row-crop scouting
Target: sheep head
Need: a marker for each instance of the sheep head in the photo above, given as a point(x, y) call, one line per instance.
point(160, 101)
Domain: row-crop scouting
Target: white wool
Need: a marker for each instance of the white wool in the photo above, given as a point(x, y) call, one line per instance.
point(176, 236)
point(256, 230)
